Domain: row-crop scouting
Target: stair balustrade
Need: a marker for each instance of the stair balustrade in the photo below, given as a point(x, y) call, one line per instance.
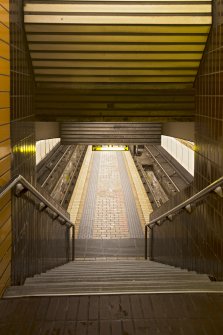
point(170, 216)
point(45, 239)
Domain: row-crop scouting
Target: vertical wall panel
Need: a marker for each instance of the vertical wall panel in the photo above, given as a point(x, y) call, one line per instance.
point(196, 241)
point(5, 157)
point(209, 139)
point(22, 91)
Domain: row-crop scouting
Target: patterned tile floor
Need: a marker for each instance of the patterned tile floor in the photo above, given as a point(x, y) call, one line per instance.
point(109, 210)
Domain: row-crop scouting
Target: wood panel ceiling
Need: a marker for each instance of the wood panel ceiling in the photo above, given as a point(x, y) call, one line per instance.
point(109, 105)
point(118, 43)
point(109, 133)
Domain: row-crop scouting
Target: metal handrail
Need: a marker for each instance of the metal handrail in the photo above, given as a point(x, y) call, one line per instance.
point(71, 179)
point(160, 166)
point(56, 186)
point(52, 171)
point(147, 183)
point(23, 184)
point(187, 205)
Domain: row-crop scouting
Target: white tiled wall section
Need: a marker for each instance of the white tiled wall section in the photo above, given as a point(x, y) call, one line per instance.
point(183, 154)
point(44, 147)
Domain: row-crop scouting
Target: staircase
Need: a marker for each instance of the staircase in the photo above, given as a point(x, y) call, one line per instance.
point(112, 277)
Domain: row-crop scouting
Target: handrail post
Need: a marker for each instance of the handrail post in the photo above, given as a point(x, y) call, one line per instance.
point(68, 243)
point(73, 242)
point(151, 244)
point(146, 232)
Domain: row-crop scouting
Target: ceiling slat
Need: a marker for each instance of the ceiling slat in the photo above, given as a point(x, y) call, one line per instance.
point(117, 29)
point(112, 56)
point(124, 59)
point(126, 8)
point(115, 64)
point(127, 20)
point(146, 47)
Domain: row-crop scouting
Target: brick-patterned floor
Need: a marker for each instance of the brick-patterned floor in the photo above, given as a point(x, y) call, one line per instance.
point(110, 219)
point(109, 211)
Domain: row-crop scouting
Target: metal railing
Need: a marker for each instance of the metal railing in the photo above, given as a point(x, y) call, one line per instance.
point(75, 173)
point(188, 206)
point(162, 169)
point(21, 186)
point(55, 167)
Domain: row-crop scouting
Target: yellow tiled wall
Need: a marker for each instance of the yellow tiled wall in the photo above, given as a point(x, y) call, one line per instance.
point(5, 147)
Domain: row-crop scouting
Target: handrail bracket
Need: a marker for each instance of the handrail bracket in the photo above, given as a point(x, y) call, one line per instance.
point(219, 191)
point(20, 189)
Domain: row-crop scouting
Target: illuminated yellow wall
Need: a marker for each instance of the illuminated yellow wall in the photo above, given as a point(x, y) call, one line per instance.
point(5, 149)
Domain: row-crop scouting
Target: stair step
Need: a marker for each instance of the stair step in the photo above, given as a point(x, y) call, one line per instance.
point(101, 280)
point(113, 274)
point(110, 271)
point(82, 290)
point(128, 276)
point(117, 275)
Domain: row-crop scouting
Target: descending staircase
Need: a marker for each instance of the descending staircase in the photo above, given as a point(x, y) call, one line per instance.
point(112, 277)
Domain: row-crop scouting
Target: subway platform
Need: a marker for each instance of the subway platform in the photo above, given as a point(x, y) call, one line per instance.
point(109, 206)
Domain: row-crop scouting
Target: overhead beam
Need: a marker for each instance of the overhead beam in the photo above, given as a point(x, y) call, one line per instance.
point(117, 29)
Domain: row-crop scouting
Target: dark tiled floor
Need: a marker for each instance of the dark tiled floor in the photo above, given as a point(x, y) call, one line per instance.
point(87, 220)
point(164, 314)
point(135, 227)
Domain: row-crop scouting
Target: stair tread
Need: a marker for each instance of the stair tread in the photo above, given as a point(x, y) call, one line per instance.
point(92, 277)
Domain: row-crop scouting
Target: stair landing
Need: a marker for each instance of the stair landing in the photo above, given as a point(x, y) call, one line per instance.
point(144, 314)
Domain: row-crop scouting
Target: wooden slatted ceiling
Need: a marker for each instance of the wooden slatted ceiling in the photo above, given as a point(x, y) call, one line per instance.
point(105, 133)
point(110, 105)
point(117, 43)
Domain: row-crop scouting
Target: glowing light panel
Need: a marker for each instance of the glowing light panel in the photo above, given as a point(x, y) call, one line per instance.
point(110, 147)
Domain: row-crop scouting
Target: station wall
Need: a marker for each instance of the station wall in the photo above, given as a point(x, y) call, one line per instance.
point(195, 241)
point(17, 132)
point(183, 154)
point(5, 147)
point(43, 147)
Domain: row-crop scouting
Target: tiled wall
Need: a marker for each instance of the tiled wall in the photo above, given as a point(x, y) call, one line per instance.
point(209, 136)
point(17, 136)
point(209, 112)
point(196, 241)
point(183, 154)
point(22, 93)
point(22, 126)
point(43, 147)
point(5, 148)
point(30, 227)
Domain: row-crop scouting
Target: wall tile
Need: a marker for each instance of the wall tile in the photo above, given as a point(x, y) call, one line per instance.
point(196, 241)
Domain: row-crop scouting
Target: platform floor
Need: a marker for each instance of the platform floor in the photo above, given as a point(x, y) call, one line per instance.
point(164, 314)
point(109, 207)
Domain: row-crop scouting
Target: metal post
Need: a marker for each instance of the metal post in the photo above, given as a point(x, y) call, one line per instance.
point(73, 242)
point(146, 232)
point(68, 243)
point(151, 244)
